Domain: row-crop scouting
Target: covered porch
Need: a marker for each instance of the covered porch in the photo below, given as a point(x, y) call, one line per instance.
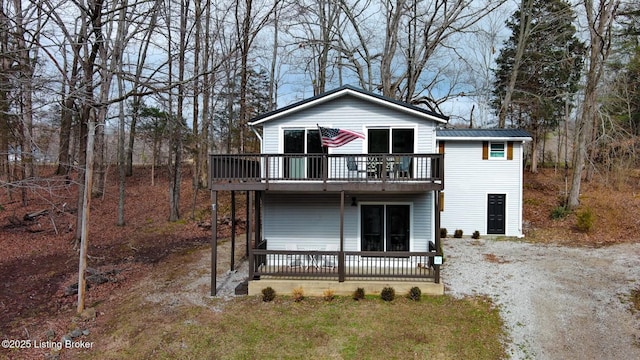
point(344, 186)
point(343, 271)
point(333, 263)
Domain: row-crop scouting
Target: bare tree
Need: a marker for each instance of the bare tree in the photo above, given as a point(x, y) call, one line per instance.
point(523, 38)
point(600, 17)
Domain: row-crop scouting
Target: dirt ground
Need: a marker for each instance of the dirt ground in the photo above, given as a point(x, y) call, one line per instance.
point(38, 259)
point(558, 302)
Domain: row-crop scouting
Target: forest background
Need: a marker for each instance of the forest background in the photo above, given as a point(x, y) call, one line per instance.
point(89, 84)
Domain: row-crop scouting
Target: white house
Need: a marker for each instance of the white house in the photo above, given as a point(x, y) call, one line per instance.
point(364, 214)
point(483, 172)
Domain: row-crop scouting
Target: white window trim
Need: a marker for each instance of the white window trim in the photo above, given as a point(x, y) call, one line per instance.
point(391, 128)
point(504, 150)
point(411, 225)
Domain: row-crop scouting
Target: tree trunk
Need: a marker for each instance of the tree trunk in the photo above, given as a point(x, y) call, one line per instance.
point(122, 171)
point(66, 121)
point(523, 36)
point(599, 37)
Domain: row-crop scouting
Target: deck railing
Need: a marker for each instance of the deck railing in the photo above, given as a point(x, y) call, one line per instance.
point(363, 265)
point(327, 167)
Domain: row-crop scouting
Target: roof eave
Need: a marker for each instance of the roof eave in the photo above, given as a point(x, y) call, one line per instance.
point(342, 92)
point(483, 138)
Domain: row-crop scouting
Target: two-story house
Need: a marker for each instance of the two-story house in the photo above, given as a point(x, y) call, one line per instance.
point(365, 213)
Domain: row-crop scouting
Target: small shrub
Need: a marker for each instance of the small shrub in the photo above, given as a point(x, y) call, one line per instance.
point(298, 294)
point(585, 220)
point(443, 233)
point(415, 293)
point(560, 212)
point(388, 294)
point(635, 300)
point(476, 235)
point(457, 234)
point(358, 294)
point(328, 294)
point(268, 294)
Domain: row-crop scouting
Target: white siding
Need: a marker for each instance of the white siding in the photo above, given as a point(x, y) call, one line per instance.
point(312, 221)
point(468, 181)
point(349, 113)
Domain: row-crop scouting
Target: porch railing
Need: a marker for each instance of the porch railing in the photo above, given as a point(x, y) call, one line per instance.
point(327, 167)
point(343, 266)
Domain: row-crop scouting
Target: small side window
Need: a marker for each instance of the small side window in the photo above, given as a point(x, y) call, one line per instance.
point(497, 150)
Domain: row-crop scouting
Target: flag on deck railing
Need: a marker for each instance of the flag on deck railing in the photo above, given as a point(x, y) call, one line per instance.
point(332, 137)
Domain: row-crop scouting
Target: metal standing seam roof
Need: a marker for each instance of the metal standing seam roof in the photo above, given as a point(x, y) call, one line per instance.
point(469, 134)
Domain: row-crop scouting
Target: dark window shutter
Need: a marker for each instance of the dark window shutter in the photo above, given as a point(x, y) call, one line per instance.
point(441, 147)
point(485, 150)
point(510, 150)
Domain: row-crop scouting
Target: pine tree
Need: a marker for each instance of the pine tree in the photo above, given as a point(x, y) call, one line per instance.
point(548, 73)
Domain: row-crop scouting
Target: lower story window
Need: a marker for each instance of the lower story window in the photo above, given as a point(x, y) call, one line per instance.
point(385, 227)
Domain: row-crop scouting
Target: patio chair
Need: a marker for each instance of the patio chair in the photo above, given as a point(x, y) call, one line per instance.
point(330, 261)
point(403, 166)
point(294, 260)
point(352, 165)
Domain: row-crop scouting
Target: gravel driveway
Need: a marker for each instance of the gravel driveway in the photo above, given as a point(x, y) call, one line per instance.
point(557, 302)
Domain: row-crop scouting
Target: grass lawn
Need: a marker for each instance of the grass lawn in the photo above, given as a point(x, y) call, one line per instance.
point(248, 328)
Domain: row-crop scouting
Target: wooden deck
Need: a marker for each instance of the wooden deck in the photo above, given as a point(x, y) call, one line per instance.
point(327, 172)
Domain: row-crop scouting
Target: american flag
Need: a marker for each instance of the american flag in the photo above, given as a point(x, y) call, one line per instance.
point(332, 137)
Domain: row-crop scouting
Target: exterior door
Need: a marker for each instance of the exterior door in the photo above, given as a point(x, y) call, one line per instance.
point(372, 222)
point(297, 143)
point(385, 227)
point(397, 227)
point(496, 206)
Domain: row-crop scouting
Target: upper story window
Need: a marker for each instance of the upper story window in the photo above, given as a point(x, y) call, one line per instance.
point(497, 150)
point(390, 141)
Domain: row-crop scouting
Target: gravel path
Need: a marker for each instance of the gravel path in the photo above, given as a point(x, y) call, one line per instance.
point(557, 302)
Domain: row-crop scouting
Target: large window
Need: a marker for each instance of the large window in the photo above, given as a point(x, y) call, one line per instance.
point(385, 141)
point(302, 141)
point(385, 227)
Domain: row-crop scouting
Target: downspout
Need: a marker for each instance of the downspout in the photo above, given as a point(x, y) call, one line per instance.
point(521, 176)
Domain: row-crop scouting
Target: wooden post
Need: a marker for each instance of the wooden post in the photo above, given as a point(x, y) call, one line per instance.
point(341, 262)
point(258, 218)
point(86, 204)
point(250, 222)
point(233, 230)
point(214, 240)
point(437, 234)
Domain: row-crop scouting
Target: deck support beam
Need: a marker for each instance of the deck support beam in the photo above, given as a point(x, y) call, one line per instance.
point(233, 231)
point(258, 218)
point(250, 220)
point(341, 262)
point(437, 234)
point(214, 240)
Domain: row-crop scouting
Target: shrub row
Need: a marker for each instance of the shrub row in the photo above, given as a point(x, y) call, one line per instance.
point(387, 294)
point(458, 233)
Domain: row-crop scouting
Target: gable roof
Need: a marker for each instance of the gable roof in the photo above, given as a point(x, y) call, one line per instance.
point(348, 90)
point(483, 134)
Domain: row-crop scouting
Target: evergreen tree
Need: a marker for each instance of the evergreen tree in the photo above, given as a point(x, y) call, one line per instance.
point(548, 73)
